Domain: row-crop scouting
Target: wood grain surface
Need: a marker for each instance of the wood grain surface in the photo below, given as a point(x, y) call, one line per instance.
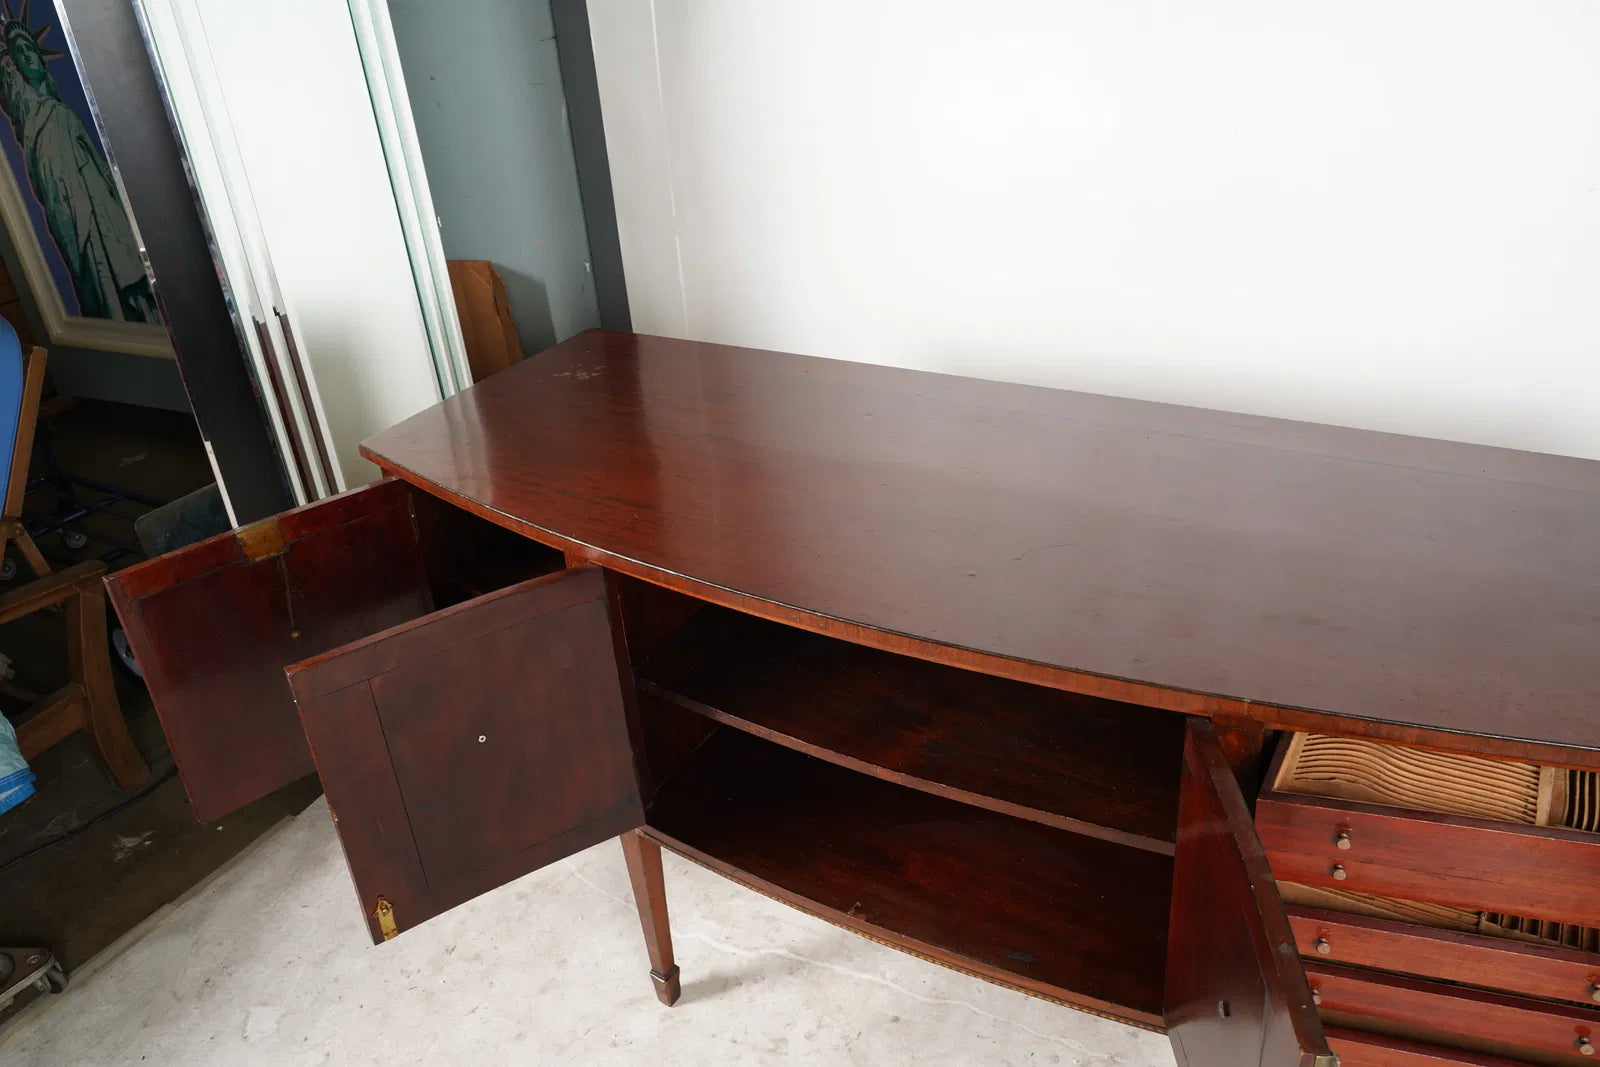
point(1547, 872)
point(1487, 1022)
point(1307, 575)
point(1357, 1049)
point(214, 624)
point(469, 747)
point(1549, 971)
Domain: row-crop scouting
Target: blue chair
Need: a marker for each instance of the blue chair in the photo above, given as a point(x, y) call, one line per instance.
point(21, 384)
point(88, 701)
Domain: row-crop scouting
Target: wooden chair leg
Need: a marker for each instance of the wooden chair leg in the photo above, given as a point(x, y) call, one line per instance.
point(89, 659)
point(650, 896)
point(31, 554)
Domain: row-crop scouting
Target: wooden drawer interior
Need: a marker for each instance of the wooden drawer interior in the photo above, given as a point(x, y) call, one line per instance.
point(1449, 783)
point(1460, 842)
point(1582, 811)
point(1349, 768)
point(1541, 931)
point(1416, 912)
point(1546, 932)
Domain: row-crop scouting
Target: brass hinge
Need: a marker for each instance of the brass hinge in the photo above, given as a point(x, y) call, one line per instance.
point(384, 913)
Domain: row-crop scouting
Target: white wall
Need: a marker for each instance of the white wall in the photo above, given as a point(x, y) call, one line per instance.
point(1374, 213)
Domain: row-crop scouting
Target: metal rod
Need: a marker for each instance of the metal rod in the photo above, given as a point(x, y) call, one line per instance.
point(264, 336)
point(301, 376)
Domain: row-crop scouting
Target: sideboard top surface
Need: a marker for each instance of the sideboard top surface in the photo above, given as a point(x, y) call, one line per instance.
point(1261, 562)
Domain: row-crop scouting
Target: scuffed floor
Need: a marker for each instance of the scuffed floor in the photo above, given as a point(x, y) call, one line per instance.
point(269, 963)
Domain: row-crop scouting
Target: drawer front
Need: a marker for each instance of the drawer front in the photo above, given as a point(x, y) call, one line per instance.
point(1476, 1016)
point(1470, 959)
point(1480, 864)
point(1356, 1049)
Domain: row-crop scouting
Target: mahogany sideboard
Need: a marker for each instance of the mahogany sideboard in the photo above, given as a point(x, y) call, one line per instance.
point(986, 672)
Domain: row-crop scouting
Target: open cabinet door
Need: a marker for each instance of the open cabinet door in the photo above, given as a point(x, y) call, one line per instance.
point(1236, 995)
point(213, 625)
point(465, 749)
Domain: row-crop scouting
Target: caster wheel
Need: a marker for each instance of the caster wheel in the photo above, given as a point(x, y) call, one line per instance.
point(8, 569)
point(124, 652)
point(52, 981)
point(74, 539)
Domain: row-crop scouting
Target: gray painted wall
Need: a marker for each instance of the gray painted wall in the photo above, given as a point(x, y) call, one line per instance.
point(485, 89)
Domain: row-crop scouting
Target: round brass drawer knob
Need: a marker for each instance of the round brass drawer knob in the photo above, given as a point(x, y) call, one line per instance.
point(1594, 992)
point(1338, 872)
point(1316, 997)
point(1322, 946)
point(1342, 840)
point(1585, 1046)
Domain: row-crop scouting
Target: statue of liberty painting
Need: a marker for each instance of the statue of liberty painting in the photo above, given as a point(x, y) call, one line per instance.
point(71, 180)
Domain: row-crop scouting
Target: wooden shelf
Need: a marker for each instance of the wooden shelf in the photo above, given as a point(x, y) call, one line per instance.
point(1098, 767)
point(1059, 914)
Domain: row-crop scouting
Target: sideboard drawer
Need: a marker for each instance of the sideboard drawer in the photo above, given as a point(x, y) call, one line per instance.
point(1463, 831)
point(1357, 1049)
point(1468, 1017)
point(1544, 871)
point(1548, 971)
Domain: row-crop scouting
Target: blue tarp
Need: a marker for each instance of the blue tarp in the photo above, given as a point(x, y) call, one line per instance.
point(16, 781)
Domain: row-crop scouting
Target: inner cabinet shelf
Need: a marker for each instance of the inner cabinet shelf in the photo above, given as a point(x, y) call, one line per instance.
point(1097, 767)
point(1071, 917)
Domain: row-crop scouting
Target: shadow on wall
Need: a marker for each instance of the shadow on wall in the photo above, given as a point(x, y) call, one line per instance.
point(530, 309)
point(1426, 407)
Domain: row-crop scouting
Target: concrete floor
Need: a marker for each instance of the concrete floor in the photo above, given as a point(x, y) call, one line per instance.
point(268, 963)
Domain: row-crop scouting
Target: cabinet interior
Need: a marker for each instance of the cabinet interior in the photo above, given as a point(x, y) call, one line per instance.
point(464, 556)
point(1027, 831)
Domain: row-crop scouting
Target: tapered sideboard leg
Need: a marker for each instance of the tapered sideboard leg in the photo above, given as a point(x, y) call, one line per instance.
point(650, 895)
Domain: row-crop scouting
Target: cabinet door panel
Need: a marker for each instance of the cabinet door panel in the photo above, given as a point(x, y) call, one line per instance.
point(214, 624)
point(466, 749)
point(1236, 995)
